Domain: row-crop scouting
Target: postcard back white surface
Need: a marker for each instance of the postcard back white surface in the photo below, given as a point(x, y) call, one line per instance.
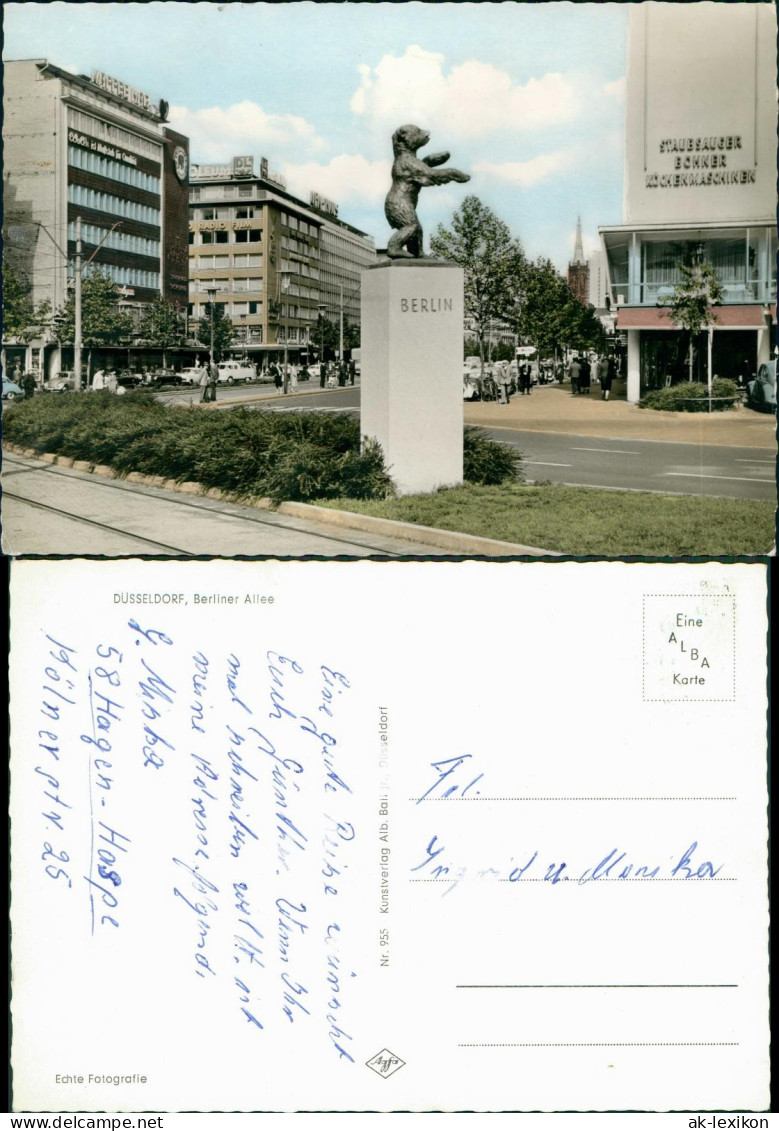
point(403, 836)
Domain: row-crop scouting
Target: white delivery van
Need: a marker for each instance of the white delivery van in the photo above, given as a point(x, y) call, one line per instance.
point(232, 371)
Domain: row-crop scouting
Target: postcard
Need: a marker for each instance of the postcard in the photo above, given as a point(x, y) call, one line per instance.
point(396, 836)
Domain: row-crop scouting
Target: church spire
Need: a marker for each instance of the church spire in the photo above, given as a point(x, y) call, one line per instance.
point(578, 250)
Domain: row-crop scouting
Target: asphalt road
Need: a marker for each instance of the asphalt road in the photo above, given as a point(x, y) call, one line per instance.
point(587, 461)
point(644, 465)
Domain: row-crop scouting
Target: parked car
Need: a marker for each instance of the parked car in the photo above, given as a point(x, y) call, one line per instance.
point(191, 375)
point(166, 377)
point(761, 392)
point(63, 382)
point(232, 371)
point(128, 380)
point(11, 391)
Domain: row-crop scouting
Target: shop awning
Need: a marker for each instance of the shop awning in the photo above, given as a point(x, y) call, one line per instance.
point(735, 317)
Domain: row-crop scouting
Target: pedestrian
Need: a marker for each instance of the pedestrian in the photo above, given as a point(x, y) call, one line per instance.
point(285, 379)
point(585, 370)
point(111, 381)
point(98, 381)
point(341, 373)
point(608, 373)
point(275, 373)
point(28, 384)
point(352, 370)
point(524, 378)
point(745, 375)
point(504, 377)
point(293, 377)
point(574, 371)
point(202, 382)
point(213, 377)
point(322, 373)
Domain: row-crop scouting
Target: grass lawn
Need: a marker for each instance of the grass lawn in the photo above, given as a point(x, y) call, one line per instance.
point(581, 520)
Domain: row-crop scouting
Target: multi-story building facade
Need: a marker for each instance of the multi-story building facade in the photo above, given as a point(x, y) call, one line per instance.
point(271, 261)
point(700, 184)
point(94, 152)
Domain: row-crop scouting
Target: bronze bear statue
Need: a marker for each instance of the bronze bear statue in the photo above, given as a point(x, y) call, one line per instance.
point(409, 174)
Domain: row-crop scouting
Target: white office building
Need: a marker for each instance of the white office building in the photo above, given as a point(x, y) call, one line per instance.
point(700, 183)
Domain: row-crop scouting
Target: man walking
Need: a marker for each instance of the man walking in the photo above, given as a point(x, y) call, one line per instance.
point(608, 373)
point(202, 382)
point(213, 377)
point(574, 371)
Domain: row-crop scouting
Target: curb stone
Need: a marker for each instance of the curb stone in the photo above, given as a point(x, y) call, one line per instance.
point(450, 541)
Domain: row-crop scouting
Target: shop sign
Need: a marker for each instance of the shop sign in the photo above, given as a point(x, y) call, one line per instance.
point(243, 166)
point(212, 225)
point(207, 172)
point(701, 161)
point(122, 90)
point(101, 147)
point(268, 174)
point(323, 204)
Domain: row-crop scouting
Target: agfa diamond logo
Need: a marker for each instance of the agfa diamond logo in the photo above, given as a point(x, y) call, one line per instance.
point(385, 1063)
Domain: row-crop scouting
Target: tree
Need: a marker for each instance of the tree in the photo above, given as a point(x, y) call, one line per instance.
point(22, 319)
point(550, 315)
point(161, 326)
point(223, 329)
point(102, 322)
point(691, 302)
point(328, 332)
point(492, 260)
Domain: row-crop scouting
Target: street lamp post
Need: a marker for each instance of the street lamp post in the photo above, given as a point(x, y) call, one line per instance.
point(211, 292)
point(341, 325)
point(77, 342)
point(284, 285)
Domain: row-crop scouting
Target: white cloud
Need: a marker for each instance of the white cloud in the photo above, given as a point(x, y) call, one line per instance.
point(217, 134)
point(469, 100)
point(615, 89)
point(347, 178)
point(527, 173)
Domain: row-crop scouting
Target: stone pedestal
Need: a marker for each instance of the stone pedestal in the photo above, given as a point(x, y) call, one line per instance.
point(411, 370)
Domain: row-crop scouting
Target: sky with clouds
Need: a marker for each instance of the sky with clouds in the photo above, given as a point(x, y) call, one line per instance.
point(529, 98)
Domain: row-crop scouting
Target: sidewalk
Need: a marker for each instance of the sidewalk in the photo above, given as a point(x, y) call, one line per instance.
point(552, 408)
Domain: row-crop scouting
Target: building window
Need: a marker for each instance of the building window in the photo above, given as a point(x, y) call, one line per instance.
point(245, 190)
point(221, 237)
point(247, 260)
point(255, 307)
point(206, 237)
point(245, 213)
point(191, 237)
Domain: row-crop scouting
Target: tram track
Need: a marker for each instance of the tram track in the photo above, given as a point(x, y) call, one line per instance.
point(228, 510)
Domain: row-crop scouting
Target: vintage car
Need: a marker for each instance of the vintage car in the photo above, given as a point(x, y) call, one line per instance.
point(761, 392)
point(11, 391)
point(232, 371)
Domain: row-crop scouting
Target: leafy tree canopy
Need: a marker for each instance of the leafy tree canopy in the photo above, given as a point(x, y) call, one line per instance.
point(22, 319)
point(161, 325)
point(223, 329)
point(102, 322)
point(492, 260)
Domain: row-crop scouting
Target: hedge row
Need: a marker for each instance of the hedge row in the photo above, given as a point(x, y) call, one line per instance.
point(284, 456)
point(689, 396)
